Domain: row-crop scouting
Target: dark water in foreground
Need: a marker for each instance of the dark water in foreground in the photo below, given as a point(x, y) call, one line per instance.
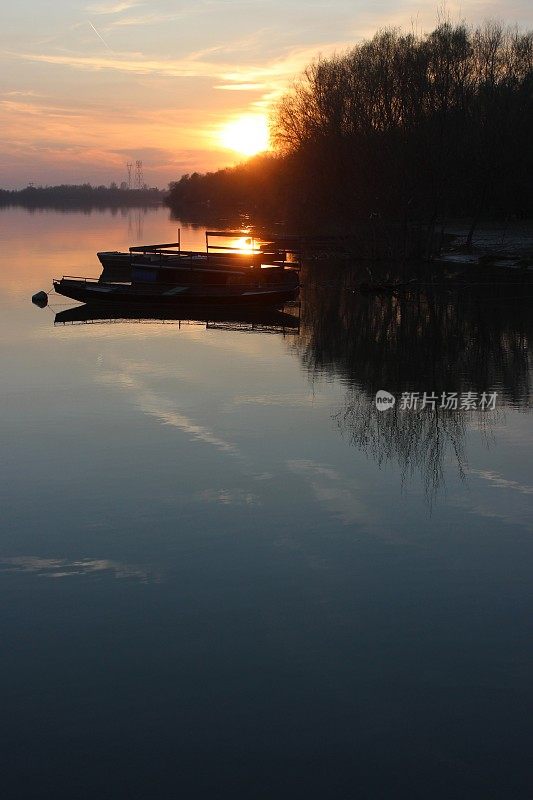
point(225, 573)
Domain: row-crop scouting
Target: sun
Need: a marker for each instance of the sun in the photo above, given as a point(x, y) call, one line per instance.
point(247, 135)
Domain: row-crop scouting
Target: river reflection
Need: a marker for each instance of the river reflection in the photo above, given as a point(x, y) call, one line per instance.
point(285, 320)
point(430, 342)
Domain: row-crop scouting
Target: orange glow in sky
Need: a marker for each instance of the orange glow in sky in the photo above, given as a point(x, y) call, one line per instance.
point(87, 86)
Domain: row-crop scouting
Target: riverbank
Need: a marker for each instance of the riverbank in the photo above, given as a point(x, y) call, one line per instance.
point(508, 245)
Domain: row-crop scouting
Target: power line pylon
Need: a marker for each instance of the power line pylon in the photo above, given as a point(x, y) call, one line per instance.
point(139, 177)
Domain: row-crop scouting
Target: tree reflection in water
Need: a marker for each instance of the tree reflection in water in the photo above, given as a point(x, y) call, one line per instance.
point(430, 341)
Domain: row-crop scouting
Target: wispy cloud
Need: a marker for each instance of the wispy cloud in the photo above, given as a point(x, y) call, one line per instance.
point(21, 93)
point(112, 8)
point(241, 87)
point(270, 78)
point(130, 63)
point(244, 44)
point(151, 18)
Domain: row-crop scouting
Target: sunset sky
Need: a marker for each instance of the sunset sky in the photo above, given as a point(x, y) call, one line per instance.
point(86, 86)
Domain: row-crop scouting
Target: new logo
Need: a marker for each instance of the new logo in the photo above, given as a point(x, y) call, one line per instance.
point(384, 400)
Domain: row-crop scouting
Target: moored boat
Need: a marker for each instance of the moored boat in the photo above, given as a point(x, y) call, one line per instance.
point(166, 286)
point(169, 252)
point(91, 291)
point(217, 256)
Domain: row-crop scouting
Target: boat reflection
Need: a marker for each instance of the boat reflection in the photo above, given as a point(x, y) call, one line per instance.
point(284, 320)
point(418, 342)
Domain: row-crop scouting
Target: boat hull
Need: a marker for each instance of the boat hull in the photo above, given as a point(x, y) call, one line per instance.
point(185, 258)
point(94, 292)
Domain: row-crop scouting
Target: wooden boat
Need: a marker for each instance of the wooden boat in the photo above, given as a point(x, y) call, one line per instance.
point(114, 258)
point(215, 256)
point(169, 252)
point(153, 285)
point(87, 290)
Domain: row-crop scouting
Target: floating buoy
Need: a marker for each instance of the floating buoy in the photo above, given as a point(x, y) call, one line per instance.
point(40, 299)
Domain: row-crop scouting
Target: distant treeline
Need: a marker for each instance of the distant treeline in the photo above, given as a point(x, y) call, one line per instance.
point(403, 127)
point(80, 196)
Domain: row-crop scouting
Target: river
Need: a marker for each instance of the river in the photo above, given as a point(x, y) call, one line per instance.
point(226, 572)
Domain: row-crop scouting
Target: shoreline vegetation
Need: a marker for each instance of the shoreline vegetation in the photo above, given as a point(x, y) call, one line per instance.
point(388, 141)
point(81, 196)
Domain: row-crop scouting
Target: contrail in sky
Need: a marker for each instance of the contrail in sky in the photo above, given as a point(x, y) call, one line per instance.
point(100, 37)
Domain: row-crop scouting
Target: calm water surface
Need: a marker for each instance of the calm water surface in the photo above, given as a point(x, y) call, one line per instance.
point(224, 573)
